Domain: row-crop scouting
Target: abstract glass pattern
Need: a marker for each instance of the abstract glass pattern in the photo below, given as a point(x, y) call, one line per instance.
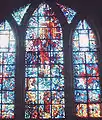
point(68, 12)
point(19, 13)
point(7, 71)
point(44, 66)
point(86, 72)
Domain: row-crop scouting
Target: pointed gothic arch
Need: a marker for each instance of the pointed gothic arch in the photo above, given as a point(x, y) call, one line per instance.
point(86, 74)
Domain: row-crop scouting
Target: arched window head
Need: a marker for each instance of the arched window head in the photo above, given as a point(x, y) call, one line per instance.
point(44, 69)
point(7, 71)
point(87, 91)
point(68, 12)
point(19, 13)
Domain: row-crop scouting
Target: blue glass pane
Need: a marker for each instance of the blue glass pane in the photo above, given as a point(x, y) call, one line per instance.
point(58, 83)
point(8, 70)
point(8, 84)
point(91, 57)
point(94, 95)
point(83, 25)
point(57, 71)
point(7, 97)
point(7, 111)
point(79, 70)
point(44, 84)
point(76, 46)
point(57, 58)
point(93, 46)
point(43, 10)
point(78, 57)
point(31, 71)
point(80, 83)
point(9, 58)
point(0, 83)
point(58, 97)
point(81, 96)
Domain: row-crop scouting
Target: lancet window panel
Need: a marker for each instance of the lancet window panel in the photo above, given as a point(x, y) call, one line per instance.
point(7, 71)
point(44, 73)
point(87, 91)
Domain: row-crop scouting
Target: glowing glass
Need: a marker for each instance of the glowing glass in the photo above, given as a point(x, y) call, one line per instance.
point(44, 73)
point(68, 13)
point(87, 91)
point(7, 71)
point(19, 14)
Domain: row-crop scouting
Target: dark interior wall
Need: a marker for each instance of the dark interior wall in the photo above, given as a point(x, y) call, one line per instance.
point(84, 7)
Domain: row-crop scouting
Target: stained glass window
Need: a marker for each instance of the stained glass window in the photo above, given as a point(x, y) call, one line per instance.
point(7, 71)
point(19, 13)
point(44, 69)
point(68, 12)
point(86, 72)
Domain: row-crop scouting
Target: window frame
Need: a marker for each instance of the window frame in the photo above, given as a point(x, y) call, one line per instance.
point(67, 31)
